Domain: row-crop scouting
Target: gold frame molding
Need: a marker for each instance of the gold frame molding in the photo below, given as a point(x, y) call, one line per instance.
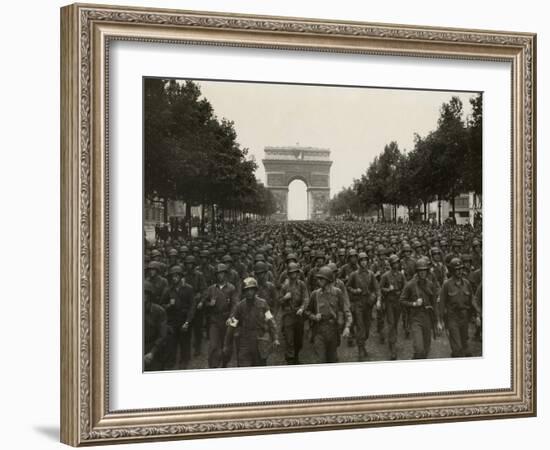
point(86, 31)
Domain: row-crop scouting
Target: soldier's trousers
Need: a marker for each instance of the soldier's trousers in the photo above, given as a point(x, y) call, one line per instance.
point(458, 327)
point(421, 332)
point(293, 336)
point(393, 313)
point(178, 340)
point(248, 354)
point(198, 326)
point(216, 336)
point(325, 341)
point(361, 311)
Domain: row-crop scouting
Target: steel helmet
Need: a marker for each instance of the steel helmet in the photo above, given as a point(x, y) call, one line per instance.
point(155, 253)
point(363, 255)
point(291, 256)
point(342, 252)
point(221, 268)
point(422, 264)
point(456, 263)
point(352, 252)
point(227, 259)
point(250, 283)
point(172, 252)
point(406, 248)
point(393, 259)
point(154, 265)
point(333, 267)
point(435, 250)
point(325, 272)
point(466, 257)
point(293, 267)
point(175, 269)
point(260, 267)
point(190, 259)
point(319, 254)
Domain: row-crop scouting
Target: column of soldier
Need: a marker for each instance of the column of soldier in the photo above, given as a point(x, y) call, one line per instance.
point(256, 288)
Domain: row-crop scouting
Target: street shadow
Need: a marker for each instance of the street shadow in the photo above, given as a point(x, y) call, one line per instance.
point(51, 432)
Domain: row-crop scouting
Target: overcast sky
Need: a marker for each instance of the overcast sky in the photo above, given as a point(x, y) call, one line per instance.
point(353, 122)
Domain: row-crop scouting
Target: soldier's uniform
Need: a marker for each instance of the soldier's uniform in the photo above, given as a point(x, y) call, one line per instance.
point(154, 332)
point(332, 306)
point(179, 304)
point(363, 290)
point(391, 285)
point(254, 327)
point(422, 317)
point(158, 282)
point(457, 305)
point(219, 301)
point(196, 279)
point(292, 323)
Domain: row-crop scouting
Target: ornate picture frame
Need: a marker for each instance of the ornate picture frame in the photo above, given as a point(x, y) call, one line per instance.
point(86, 33)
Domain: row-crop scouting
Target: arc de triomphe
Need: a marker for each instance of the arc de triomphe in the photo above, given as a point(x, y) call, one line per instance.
point(309, 164)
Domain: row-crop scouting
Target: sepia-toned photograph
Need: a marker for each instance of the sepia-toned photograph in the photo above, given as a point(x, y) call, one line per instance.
point(289, 224)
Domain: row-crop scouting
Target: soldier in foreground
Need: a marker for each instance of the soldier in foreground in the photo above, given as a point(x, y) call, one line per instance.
point(252, 327)
point(391, 286)
point(328, 306)
point(154, 330)
point(457, 303)
point(294, 300)
point(219, 300)
point(420, 296)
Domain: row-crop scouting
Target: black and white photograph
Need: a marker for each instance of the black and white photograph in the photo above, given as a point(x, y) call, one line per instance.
point(289, 224)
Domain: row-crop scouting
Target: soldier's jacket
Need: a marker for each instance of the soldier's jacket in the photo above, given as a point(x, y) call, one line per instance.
point(234, 278)
point(414, 290)
point(160, 284)
point(241, 269)
point(179, 304)
point(197, 281)
point(347, 270)
point(299, 296)
point(284, 276)
point(311, 279)
point(268, 292)
point(208, 273)
point(409, 267)
point(378, 267)
point(476, 260)
point(330, 302)
point(439, 271)
point(475, 279)
point(224, 299)
point(397, 281)
point(340, 285)
point(253, 319)
point(456, 295)
point(154, 329)
point(365, 280)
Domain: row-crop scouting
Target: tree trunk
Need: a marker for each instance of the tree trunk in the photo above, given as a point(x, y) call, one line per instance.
point(453, 206)
point(382, 209)
point(439, 210)
point(188, 218)
point(425, 210)
point(213, 218)
point(202, 219)
point(165, 212)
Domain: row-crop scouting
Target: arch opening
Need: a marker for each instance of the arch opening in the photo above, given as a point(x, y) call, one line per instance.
point(297, 200)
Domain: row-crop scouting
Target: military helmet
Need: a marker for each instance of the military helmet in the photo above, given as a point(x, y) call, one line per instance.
point(293, 267)
point(259, 257)
point(325, 272)
point(190, 259)
point(406, 248)
point(205, 253)
point(148, 287)
point(362, 255)
point(175, 269)
point(249, 283)
point(422, 264)
point(154, 265)
point(155, 253)
point(306, 249)
point(184, 249)
point(435, 250)
point(456, 263)
point(476, 242)
point(319, 254)
point(172, 252)
point(221, 268)
point(260, 267)
point(291, 256)
point(333, 267)
point(342, 252)
point(466, 257)
point(227, 259)
point(352, 252)
point(393, 259)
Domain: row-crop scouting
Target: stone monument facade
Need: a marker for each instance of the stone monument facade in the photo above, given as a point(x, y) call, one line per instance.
point(309, 164)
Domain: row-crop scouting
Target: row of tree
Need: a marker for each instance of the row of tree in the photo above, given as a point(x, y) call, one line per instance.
point(192, 156)
point(441, 165)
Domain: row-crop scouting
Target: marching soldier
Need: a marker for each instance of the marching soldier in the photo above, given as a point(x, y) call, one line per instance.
point(265, 289)
point(255, 324)
point(408, 265)
point(293, 301)
point(154, 330)
point(328, 307)
point(364, 294)
point(158, 282)
point(350, 267)
point(219, 300)
point(391, 286)
point(420, 296)
point(196, 280)
point(457, 303)
point(179, 303)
